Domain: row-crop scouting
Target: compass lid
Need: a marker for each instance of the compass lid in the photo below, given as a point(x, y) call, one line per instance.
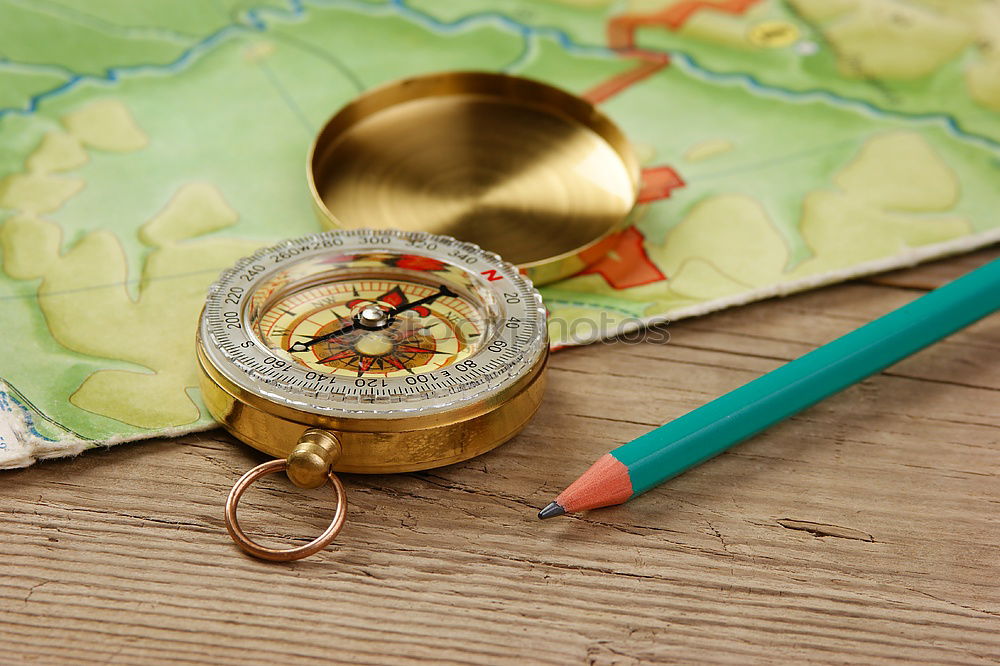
point(521, 168)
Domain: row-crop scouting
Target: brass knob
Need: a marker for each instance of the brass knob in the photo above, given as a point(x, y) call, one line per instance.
point(311, 459)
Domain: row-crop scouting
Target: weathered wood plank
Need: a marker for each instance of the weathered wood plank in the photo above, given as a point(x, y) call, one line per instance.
point(864, 530)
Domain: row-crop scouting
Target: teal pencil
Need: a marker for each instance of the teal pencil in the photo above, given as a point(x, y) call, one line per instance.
point(648, 461)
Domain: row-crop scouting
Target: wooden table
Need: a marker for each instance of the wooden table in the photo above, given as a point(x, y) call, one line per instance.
point(864, 530)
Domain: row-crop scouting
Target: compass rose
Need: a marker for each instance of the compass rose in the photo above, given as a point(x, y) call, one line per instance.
point(383, 333)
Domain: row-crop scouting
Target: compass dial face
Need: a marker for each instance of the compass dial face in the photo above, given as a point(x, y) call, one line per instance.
point(373, 324)
point(374, 327)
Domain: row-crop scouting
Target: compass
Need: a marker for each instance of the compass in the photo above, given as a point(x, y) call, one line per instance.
point(368, 351)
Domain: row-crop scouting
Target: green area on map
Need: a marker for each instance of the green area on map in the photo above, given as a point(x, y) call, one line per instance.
point(148, 145)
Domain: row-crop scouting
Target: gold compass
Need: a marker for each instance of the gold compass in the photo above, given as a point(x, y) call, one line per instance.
point(369, 351)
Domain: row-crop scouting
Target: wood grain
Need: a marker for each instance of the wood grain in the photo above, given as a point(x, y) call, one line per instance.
point(864, 530)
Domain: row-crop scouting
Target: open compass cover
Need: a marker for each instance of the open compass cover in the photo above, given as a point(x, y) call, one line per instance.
point(785, 144)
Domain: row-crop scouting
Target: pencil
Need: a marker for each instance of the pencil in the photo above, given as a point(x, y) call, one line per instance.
point(645, 462)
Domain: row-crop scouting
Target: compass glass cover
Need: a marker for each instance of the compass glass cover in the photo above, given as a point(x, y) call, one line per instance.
point(372, 315)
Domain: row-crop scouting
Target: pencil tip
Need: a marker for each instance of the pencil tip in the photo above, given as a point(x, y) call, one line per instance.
point(551, 511)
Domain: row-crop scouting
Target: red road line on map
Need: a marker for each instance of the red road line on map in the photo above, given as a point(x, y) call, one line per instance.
point(621, 81)
point(621, 37)
point(657, 182)
point(621, 29)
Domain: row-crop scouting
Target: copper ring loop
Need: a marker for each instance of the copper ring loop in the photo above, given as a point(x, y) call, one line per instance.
point(281, 554)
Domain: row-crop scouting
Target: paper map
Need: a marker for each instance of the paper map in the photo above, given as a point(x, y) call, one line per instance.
point(148, 145)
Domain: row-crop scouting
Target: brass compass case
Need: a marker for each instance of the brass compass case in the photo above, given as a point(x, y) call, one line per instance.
point(370, 400)
point(516, 166)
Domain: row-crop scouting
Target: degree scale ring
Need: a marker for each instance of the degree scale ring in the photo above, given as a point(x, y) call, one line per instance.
point(234, 350)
